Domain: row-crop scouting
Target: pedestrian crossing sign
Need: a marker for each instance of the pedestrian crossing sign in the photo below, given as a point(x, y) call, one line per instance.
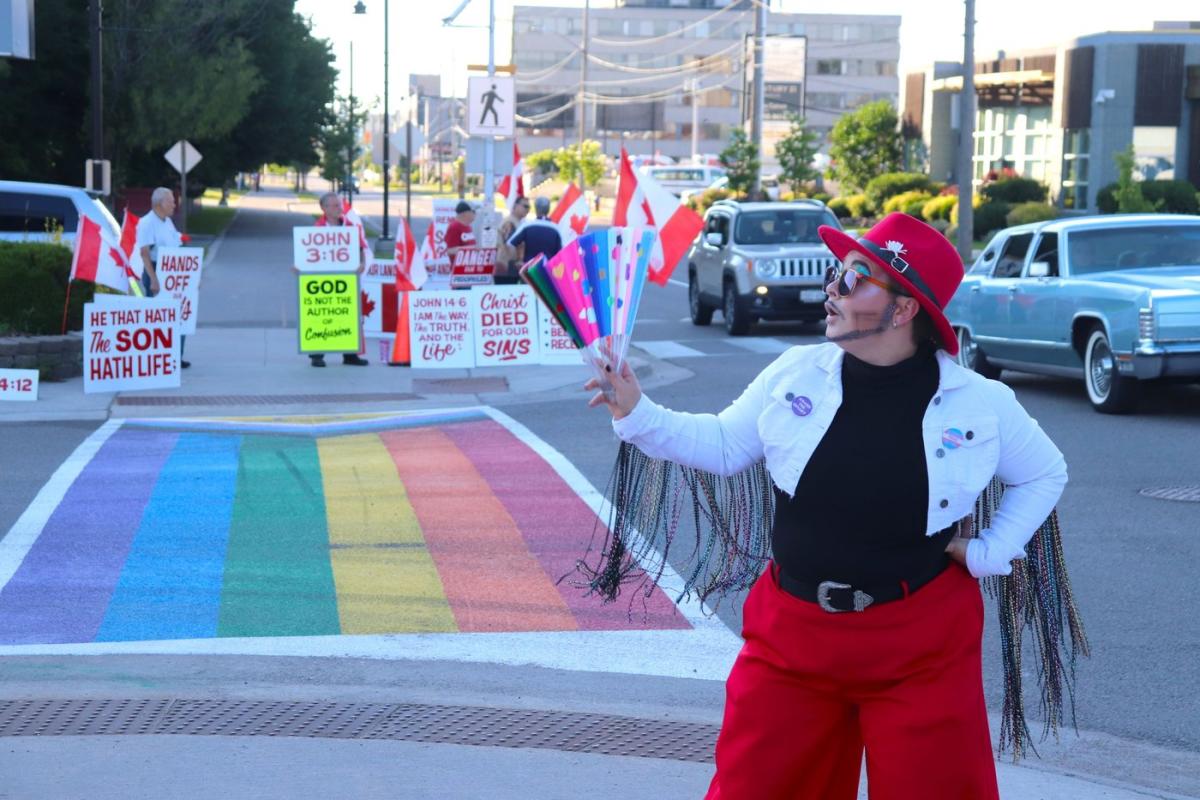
point(491, 101)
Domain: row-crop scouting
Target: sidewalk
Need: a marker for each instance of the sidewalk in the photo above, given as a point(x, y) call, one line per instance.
point(252, 369)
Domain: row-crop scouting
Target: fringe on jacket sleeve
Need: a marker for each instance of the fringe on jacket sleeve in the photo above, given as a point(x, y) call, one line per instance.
point(729, 544)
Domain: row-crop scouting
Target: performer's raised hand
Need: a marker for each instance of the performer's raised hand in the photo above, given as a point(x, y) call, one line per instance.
point(623, 395)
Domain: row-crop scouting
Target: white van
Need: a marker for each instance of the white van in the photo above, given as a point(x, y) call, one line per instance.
point(679, 178)
point(31, 212)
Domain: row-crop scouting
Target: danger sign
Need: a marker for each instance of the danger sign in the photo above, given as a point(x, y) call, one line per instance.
point(473, 266)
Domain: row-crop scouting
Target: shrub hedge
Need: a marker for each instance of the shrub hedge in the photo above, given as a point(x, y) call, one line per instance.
point(1023, 213)
point(840, 206)
point(1015, 190)
point(939, 208)
point(33, 283)
point(890, 184)
point(1168, 197)
point(900, 202)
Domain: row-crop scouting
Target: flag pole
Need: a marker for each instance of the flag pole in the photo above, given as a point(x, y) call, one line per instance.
point(66, 305)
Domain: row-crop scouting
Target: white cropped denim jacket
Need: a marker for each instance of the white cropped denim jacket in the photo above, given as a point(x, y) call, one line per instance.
point(974, 428)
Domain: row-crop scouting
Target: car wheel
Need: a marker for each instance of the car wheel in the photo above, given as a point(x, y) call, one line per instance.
point(971, 357)
point(737, 318)
point(1108, 390)
point(701, 313)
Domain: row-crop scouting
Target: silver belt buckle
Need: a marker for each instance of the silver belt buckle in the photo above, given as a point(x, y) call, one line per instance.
point(861, 599)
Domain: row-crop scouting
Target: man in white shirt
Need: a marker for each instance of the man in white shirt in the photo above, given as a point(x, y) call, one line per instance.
point(156, 230)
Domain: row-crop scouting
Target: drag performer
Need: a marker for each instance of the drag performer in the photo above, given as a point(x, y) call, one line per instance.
point(868, 483)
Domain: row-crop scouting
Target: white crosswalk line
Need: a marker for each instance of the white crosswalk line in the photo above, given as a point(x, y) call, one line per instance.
point(759, 344)
point(669, 349)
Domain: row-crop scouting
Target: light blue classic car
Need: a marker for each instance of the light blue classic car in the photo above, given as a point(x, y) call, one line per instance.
point(1114, 300)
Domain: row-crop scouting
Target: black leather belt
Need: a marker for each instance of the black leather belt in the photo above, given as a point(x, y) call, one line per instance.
point(834, 597)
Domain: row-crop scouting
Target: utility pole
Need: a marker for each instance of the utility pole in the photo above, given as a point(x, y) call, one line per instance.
point(582, 89)
point(387, 166)
point(353, 136)
point(695, 122)
point(966, 139)
point(756, 123)
point(489, 154)
point(94, 15)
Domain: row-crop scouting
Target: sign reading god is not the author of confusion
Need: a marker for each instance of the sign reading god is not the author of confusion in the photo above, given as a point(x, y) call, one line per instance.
point(329, 313)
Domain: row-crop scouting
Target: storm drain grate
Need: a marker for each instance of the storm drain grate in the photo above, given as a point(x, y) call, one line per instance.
point(1184, 494)
point(478, 726)
point(261, 399)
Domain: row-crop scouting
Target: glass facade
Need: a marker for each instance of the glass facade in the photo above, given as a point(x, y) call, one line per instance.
point(1013, 138)
point(1153, 153)
point(1075, 168)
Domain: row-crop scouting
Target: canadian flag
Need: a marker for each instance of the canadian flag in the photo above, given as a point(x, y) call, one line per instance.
point(641, 202)
point(411, 273)
point(129, 225)
point(354, 219)
point(98, 259)
point(571, 214)
point(512, 185)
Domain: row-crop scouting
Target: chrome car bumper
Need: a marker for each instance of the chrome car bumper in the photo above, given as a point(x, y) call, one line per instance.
point(1162, 361)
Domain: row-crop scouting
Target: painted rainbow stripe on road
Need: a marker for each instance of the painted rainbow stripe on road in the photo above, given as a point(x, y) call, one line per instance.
point(193, 529)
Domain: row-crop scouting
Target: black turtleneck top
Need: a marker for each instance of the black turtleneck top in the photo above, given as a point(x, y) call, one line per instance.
point(859, 512)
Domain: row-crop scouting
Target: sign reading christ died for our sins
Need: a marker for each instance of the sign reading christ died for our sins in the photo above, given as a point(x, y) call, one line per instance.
point(133, 344)
point(325, 249)
point(329, 312)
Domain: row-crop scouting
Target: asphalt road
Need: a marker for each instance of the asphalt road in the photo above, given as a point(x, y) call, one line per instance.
point(1132, 558)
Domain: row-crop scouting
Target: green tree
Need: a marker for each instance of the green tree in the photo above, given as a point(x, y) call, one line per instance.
point(541, 161)
point(569, 163)
point(338, 143)
point(795, 152)
point(863, 144)
point(740, 159)
point(1130, 199)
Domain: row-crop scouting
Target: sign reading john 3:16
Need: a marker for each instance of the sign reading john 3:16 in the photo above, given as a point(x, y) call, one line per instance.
point(330, 320)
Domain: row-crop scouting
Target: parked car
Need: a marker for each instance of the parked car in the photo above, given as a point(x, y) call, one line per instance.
point(760, 261)
point(1114, 300)
point(770, 185)
point(34, 212)
point(677, 179)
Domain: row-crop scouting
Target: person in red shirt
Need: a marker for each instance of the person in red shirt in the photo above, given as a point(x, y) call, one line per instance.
point(331, 208)
point(459, 233)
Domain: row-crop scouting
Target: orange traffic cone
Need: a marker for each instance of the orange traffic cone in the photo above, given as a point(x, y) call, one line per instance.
point(401, 349)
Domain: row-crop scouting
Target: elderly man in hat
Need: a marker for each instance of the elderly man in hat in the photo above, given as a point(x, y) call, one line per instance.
point(876, 443)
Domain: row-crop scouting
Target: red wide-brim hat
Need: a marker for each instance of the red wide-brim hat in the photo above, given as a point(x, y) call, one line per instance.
point(919, 259)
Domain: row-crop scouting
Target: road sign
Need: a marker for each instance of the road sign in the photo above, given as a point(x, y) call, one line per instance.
point(97, 176)
point(490, 105)
point(17, 29)
point(182, 156)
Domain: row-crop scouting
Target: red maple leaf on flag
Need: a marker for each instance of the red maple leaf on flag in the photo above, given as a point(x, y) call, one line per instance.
point(368, 305)
point(578, 224)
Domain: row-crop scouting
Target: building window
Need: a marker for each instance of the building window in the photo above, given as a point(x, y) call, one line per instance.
point(1153, 153)
point(829, 67)
point(1075, 168)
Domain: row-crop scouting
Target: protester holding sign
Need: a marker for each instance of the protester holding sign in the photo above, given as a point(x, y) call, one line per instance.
point(155, 231)
point(331, 216)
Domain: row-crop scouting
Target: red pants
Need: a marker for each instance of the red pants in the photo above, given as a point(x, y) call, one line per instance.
point(811, 689)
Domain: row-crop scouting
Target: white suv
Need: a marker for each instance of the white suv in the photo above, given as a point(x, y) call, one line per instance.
point(33, 212)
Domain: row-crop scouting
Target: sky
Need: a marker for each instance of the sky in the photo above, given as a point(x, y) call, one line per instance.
point(930, 30)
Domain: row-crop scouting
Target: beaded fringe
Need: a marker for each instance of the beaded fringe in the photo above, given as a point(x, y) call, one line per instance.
point(1036, 597)
point(729, 545)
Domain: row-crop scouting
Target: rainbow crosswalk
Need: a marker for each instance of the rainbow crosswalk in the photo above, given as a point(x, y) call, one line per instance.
point(426, 523)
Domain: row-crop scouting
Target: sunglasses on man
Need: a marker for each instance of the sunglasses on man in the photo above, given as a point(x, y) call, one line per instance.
point(847, 277)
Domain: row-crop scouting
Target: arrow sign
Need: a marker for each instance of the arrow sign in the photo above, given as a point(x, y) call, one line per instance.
point(182, 156)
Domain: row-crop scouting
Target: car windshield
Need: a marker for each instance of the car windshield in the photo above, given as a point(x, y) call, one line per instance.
point(1106, 249)
point(782, 226)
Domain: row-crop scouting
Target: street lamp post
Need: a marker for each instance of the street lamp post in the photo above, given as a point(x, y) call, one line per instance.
point(361, 8)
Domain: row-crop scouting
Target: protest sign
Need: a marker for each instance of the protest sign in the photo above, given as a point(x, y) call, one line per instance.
point(506, 326)
point(440, 330)
point(439, 264)
point(325, 249)
point(18, 385)
point(179, 270)
point(556, 346)
point(131, 345)
point(329, 312)
point(473, 266)
point(379, 298)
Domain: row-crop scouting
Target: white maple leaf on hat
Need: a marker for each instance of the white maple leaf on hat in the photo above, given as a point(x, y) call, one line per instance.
point(896, 248)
